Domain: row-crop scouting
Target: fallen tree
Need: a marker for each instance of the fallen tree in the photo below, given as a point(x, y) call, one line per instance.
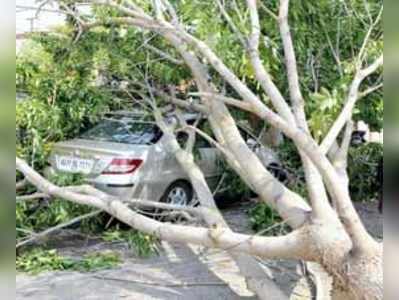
point(326, 227)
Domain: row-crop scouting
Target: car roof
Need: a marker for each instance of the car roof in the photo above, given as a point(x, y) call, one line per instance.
point(127, 113)
point(143, 115)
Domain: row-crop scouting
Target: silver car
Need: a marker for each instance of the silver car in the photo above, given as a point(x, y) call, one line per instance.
point(125, 156)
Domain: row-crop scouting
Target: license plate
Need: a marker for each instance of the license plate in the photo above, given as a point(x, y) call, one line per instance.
point(74, 165)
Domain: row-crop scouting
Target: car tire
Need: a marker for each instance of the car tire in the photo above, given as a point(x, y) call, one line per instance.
point(178, 193)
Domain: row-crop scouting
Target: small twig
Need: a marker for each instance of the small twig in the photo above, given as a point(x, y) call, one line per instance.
point(37, 236)
point(209, 139)
point(228, 100)
point(164, 55)
point(177, 284)
point(153, 204)
point(220, 184)
point(40, 7)
point(370, 90)
point(233, 27)
point(269, 11)
point(367, 38)
point(260, 232)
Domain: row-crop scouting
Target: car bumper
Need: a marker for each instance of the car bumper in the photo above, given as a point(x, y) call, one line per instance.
point(124, 187)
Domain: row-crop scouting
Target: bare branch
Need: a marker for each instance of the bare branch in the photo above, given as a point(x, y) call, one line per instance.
point(290, 62)
point(153, 204)
point(352, 98)
point(172, 11)
point(41, 6)
point(180, 40)
point(80, 23)
point(188, 104)
point(289, 246)
point(192, 136)
point(268, 10)
point(228, 100)
point(233, 27)
point(362, 51)
point(341, 157)
point(261, 74)
point(164, 54)
point(31, 197)
point(314, 181)
point(370, 90)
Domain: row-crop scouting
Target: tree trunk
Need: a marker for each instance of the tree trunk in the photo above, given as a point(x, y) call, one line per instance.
point(360, 277)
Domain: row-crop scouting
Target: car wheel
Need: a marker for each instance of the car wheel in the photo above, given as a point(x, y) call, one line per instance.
point(179, 193)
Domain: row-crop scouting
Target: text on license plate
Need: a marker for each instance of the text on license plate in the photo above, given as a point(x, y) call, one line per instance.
point(74, 165)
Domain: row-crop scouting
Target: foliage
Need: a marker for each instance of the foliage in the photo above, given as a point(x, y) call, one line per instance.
point(60, 102)
point(143, 245)
point(31, 217)
point(40, 215)
point(39, 260)
point(362, 169)
point(264, 220)
point(233, 185)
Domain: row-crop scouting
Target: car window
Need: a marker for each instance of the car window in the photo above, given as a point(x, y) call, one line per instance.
point(182, 138)
point(117, 131)
point(200, 142)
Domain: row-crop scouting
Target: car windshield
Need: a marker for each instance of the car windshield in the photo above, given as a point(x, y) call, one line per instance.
point(126, 132)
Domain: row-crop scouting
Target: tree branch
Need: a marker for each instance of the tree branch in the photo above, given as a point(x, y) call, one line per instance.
point(367, 38)
point(21, 184)
point(228, 100)
point(370, 90)
point(164, 54)
point(261, 74)
point(289, 246)
point(341, 157)
point(353, 96)
point(233, 27)
point(314, 181)
point(33, 196)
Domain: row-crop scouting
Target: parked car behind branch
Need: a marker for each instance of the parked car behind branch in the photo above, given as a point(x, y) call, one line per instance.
point(125, 155)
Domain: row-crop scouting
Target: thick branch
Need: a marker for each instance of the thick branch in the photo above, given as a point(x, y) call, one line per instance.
point(289, 246)
point(314, 181)
point(291, 63)
point(260, 72)
point(33, 196)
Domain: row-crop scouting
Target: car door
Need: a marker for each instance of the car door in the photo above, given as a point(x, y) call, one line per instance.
point(208, 158)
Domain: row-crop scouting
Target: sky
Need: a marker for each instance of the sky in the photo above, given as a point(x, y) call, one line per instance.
point(27, 21)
